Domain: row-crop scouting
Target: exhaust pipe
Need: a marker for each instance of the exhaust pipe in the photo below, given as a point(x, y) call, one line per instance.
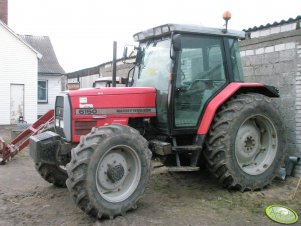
point(114, 64)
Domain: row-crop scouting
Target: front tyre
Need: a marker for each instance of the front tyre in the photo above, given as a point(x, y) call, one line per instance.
point(109, 171)
point(52, 173)
point(246, 143)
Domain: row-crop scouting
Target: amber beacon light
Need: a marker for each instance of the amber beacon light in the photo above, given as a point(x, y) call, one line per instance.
point(226, 17)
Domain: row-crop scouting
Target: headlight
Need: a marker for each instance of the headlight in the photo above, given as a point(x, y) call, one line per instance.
point(61, 123)
point(57, 123)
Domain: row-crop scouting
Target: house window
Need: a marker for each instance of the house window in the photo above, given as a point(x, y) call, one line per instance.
point(42, 91)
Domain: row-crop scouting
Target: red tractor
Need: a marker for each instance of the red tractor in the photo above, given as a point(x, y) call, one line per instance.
point(185, 100)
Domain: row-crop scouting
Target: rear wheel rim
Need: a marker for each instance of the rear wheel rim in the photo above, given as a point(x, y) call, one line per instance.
point(256, 144)
point(118, 173)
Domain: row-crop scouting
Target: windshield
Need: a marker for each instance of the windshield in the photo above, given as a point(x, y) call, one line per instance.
point(154, 67)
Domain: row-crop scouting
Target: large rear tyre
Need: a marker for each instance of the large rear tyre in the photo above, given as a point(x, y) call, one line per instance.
point(246, 143)
point(109, 171)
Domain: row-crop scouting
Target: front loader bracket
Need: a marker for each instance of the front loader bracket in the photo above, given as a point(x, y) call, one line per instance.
point(8, 151)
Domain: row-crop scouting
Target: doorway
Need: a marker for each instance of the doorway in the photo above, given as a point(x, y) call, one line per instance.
point(16, 102)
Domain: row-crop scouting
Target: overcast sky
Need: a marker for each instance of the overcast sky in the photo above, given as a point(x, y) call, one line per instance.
point(82, 32)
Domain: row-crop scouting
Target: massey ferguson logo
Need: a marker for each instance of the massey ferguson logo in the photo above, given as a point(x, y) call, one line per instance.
point(134, 110)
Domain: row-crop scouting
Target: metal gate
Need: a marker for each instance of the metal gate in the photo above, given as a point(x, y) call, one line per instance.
point(16, 102)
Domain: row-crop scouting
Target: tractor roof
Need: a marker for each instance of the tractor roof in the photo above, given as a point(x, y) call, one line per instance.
point(167, 29)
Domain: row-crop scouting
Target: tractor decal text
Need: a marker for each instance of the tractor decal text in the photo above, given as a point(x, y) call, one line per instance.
point(108, 111)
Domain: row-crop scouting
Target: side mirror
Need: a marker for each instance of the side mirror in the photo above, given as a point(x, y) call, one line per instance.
point(176, 42)
point(176, 45)
point(139, 55)
point(129, 53)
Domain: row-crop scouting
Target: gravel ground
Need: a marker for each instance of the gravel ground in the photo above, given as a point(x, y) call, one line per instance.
point(170, 199)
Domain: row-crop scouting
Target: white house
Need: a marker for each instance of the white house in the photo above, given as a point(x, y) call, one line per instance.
point(49, 72)
point(18, 76)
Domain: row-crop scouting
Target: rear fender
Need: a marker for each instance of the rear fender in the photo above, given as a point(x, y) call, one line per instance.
point(229, 91)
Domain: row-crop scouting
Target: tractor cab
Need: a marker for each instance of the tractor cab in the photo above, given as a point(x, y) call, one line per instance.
point(188, 65)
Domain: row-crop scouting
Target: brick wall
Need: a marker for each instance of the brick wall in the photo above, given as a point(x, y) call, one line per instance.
point(88, 76)
point(276, 60)
point(3, 11)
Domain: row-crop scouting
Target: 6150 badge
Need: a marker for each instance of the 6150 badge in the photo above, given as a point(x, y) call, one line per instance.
point(86, 111)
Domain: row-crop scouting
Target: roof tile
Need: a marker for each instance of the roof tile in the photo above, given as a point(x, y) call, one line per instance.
point(49, 63)
point(290, 20)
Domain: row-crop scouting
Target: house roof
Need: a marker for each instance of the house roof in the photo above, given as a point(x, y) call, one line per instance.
point(282, 22)
point(39, 55)
point(49, 63)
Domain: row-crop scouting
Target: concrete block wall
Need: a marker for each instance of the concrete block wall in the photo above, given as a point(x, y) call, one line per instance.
point(276, 60)
point(298, 97)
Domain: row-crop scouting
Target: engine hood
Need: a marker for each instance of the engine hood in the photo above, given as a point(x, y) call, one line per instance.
point(111, 91)
point(113, 102)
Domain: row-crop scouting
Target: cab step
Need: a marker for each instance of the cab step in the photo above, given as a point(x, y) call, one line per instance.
point(186, 148)
point(183, 168)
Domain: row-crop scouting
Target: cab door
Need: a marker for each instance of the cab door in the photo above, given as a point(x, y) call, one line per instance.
point(200, 75)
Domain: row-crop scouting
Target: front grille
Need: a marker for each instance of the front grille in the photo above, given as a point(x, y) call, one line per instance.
point(84, 127)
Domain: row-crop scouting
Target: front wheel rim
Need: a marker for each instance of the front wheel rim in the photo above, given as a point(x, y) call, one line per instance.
point(118, 173)
point(256, 144)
